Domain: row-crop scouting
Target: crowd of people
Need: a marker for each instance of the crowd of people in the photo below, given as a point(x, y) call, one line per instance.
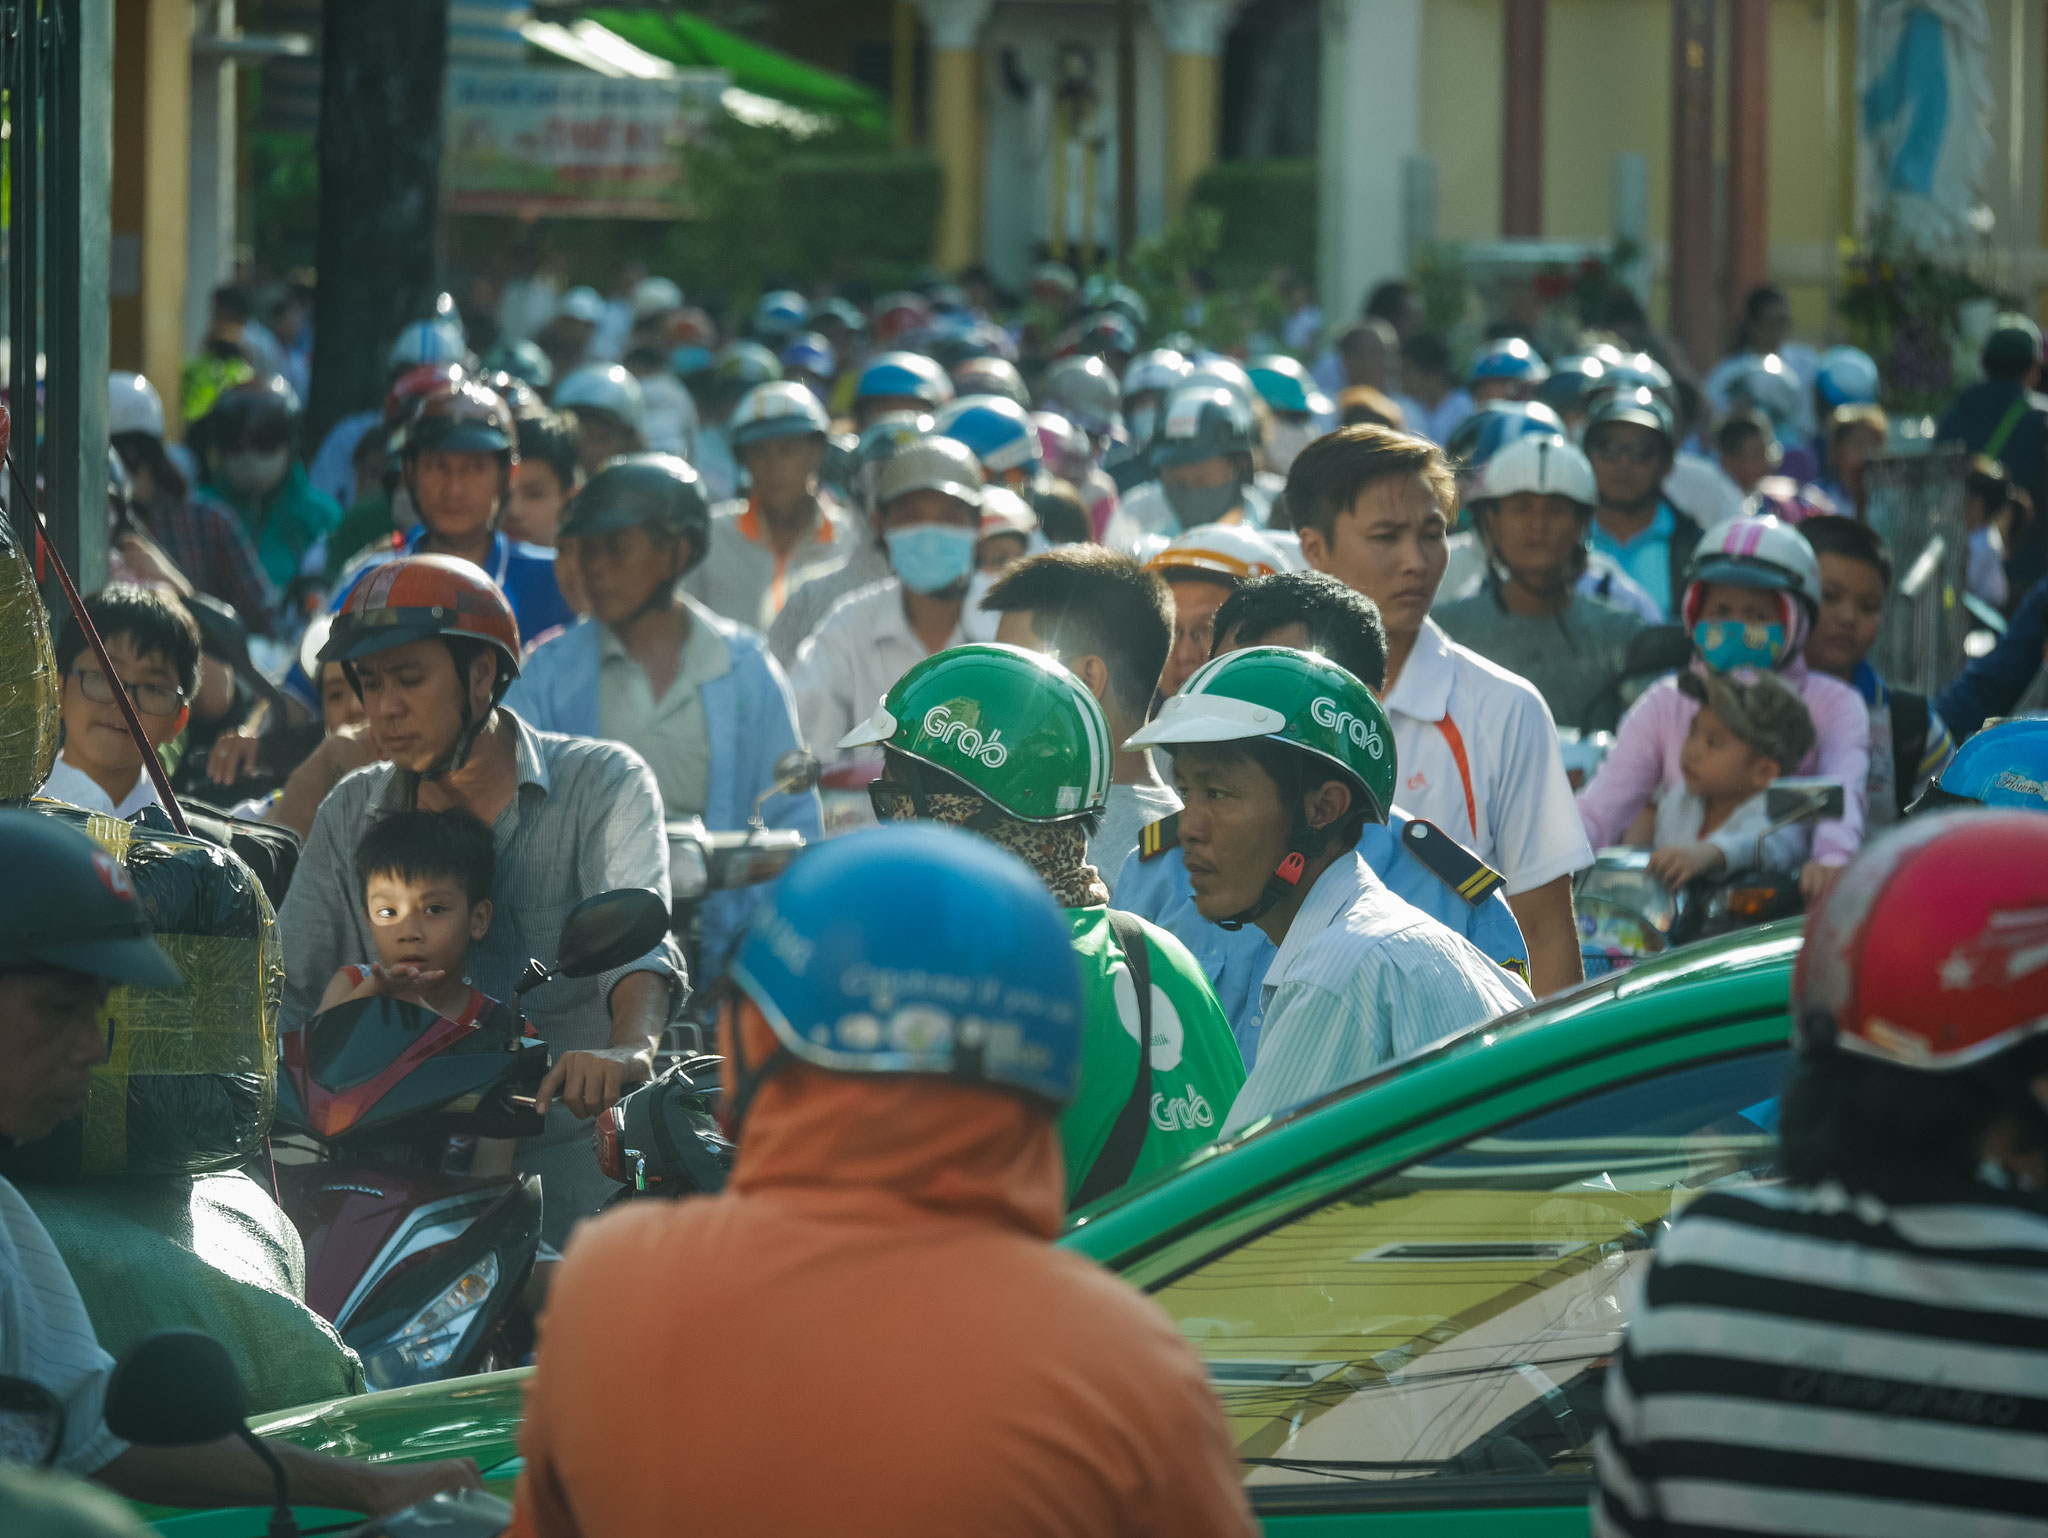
point(1250, 721)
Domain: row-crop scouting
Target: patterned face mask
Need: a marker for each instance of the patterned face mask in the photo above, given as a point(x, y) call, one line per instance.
point(1058, 851)
point(1725, 644)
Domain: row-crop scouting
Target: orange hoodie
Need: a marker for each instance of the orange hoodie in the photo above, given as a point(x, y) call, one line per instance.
point(868, 1334)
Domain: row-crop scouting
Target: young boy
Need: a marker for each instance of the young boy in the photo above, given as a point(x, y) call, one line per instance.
point(1856, 435)
point(154, 646)
point(426, 884)
point(1909, 744)
point(1749, 727)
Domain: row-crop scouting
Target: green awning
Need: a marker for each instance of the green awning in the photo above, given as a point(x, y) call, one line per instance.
point(691, 42)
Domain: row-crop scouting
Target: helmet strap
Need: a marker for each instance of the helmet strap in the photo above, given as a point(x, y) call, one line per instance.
point(747, 1080)
point(1304, 843)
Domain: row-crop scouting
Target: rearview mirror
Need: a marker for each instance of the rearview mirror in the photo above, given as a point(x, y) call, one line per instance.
point(796, 770)
point(609, 930)
point(175, 1388)
point(1802, 800)
point(1659, 649)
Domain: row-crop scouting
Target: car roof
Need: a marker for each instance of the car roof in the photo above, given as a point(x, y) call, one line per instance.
point(1743, 977)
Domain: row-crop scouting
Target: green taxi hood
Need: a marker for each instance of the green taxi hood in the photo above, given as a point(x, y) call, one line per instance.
point(1736, 978)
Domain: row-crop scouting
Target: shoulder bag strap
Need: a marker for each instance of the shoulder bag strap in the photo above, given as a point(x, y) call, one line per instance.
point(1126, 1138)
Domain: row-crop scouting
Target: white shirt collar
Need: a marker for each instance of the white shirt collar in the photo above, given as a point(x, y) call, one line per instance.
point(81, 789)
point(1423, 691)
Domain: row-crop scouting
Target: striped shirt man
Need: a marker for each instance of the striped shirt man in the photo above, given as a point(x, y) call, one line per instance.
point(1361, 978)
point(1807, 1361)
point(46, 1338)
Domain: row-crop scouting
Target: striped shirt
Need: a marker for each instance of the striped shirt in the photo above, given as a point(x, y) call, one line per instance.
point(1361, 978)
point(46, 1338)
point(1815, 1363)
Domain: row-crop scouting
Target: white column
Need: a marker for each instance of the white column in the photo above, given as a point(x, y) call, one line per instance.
point(1194, 26)
point(210, 228)
point(1371, 124)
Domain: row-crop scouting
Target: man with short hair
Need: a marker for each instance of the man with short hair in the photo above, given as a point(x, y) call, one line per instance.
point(1479, 753)
point(1417, 861)
point(2004, 416)
point(929, 495)
point(785, 530)
point(1431, 382)
point(1109, 621)
point(1282, 760)
point(1632, 443)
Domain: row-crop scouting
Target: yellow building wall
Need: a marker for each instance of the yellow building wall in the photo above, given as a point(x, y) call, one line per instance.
point(1461, 113)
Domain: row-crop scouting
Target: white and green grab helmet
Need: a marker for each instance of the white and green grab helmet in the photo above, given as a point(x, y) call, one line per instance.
point(1287, 696)
point(1015, 726)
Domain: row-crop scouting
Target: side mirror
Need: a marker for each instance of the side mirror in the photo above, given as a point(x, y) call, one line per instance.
point(1659, 649)
point(179, 1388)
point(797, 770)
point(31, 1424)
point(1802, 800)
point(609, 930)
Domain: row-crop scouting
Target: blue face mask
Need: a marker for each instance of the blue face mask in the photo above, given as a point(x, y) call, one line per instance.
point(931, 557)
point(1725, 644)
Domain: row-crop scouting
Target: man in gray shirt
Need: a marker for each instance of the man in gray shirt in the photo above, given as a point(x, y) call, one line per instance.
point(430, 645)
point(1109, 621)
point(1533, 511)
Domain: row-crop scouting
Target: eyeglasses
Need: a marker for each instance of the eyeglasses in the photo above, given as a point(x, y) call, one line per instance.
point(1625, 451)
point(150, 699)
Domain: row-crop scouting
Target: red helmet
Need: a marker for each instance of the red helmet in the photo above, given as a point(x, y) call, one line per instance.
point(418, 597)
point(409, 388)
point(1932, 950)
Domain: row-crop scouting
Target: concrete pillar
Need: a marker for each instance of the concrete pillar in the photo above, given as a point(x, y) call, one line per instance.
point(152, 137)
point(1521, 150)
point(955, 123)
point(1193, 30)
point(1747, 261)
point(1692, 179)
point(1371, 125)
point(210, 229)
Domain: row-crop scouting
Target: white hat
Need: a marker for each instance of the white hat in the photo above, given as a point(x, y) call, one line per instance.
point(605, 387)
point(655, 296)
point(133, 406)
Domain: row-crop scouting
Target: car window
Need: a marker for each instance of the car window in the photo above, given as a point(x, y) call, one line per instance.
point(1451, 1321)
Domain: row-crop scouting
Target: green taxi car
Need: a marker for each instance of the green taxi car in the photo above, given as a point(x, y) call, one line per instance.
point(1408, 1292)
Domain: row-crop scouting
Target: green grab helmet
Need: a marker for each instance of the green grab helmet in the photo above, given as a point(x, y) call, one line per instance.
point(1294, 697)
point(1017, 727)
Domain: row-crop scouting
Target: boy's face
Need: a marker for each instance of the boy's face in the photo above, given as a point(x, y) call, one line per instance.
point(534, 510)
point(1851, 610)
point(1391, 546)
point(427, 924)
point(1536, 535)
point(1748, 462)
point(1718, 764)
point(1854, 448)
point(1746, 605)
point(339, 706)
point(1233, 828)
point(95, 735)
point(457, 493)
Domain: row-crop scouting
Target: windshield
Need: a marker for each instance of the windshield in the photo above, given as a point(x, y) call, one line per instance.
point(1452, 1321)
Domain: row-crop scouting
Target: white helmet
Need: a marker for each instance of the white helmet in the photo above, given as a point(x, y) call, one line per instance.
point(582, 303)
point(133, 406)
point(1548, 463)
point(1004, 512)
point(1225, 374)
point(1160, 369)
point(1764, 382)
point(1755, 551)
point(656, 296)
point(604, 387)
point(426, 341)
point(1228, 551)
point(781, 408)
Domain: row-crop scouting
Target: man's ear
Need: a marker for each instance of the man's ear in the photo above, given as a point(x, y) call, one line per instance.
point(483, 674)
point(1093, 672)
point(1327, 804)
point(1314, 549)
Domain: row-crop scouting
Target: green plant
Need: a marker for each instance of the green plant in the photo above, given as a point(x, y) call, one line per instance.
point(1439, 274)
point(1900, 305)
point(1266, 212)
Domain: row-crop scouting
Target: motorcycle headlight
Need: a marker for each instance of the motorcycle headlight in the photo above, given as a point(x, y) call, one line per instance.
point(426, 1342)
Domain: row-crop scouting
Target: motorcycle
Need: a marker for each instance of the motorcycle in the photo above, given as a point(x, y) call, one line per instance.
point(416, 1261)
point(1626, 914)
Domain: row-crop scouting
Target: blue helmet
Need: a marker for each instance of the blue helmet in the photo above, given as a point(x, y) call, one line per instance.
point(982, 989)
point(1510, 358)
point(2004, 765)
point(906, 374)
point(812, 353)
point(779, 313)
point(1495, 425)
point(998, 430)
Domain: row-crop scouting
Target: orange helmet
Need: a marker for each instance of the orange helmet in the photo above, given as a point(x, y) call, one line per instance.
point(419, 597)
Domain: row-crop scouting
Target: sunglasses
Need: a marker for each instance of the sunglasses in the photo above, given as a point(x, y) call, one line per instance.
point(1617, 451)
point(150, 699)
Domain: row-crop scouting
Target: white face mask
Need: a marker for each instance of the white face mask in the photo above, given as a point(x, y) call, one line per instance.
point(253, 473)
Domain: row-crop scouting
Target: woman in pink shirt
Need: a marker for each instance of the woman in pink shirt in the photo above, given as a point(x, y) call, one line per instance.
point(1751, 594)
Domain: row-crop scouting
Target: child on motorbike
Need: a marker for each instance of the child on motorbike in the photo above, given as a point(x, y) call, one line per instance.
point(1748, 726)
point(1752, 594)
point(426, 888)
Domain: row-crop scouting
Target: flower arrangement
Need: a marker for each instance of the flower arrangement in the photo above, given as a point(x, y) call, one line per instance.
point(1904, 307)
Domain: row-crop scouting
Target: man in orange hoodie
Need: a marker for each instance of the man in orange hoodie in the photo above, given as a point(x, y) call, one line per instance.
point(868, 1333)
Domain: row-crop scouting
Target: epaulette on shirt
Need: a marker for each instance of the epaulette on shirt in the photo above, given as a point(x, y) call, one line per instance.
point(1158, 837)
point(1448, 860)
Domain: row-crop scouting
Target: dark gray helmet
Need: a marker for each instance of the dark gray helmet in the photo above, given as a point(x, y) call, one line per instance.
point(657, 491)
point(1635, 403)
point(1202, 422)
point(80, 912)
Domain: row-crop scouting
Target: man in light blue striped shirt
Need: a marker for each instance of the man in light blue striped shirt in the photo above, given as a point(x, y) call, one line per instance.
point(1282, 759)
